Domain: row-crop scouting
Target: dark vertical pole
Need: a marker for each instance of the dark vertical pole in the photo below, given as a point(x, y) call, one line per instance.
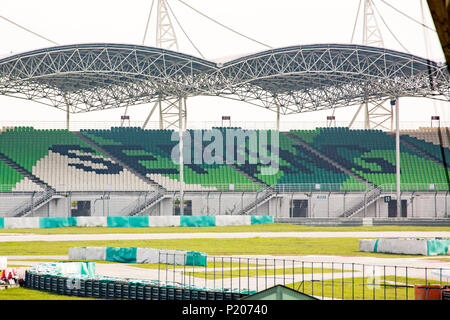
point(353, 281)
point(312, 278)
point(322, 280)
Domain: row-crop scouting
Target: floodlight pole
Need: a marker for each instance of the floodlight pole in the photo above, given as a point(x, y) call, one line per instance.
point(278, 116)
point(180, 133)
point(67, 118)
point(185, 113)
point(397, 154)
point(161, 126)
point(67, 112)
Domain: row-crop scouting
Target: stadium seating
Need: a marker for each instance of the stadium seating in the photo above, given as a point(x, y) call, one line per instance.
point(150, 153)
point(298, 169)
point(430, 143)
point(12, 180)
point(71, 161)
point(64, 161)
point(371, 155)
point(437, 136)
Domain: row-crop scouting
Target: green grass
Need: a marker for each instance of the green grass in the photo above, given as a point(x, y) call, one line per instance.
point(210, 264)
point(275, 227)
point(366, 288)
point(261, 272)
point(17, 265)
point(228, 246)
point(31, 294)
point(57, 260)
point(440, 259)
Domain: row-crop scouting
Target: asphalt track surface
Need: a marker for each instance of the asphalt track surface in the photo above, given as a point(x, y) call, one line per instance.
point(215, 235)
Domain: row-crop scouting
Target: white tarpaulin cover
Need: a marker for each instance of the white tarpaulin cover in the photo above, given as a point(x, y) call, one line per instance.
point(413, 246)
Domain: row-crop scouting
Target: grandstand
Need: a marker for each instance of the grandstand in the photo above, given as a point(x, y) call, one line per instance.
point(133, 165)
point(327, 172)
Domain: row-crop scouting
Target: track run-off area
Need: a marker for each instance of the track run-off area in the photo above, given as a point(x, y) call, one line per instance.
point(17, 237)
point(298, 258)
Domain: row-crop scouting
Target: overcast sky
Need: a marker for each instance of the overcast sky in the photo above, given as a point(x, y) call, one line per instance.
point(277, 23)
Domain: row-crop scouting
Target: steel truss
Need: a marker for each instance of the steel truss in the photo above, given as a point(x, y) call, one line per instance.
point(376, 115)
point(91, 77)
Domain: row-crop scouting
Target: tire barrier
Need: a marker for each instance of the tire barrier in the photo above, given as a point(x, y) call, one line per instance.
point(139, 255)
point(131, 221)
point(426, 247)
point(102, 288)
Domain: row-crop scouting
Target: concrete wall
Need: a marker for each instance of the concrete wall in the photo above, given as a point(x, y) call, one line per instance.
point(9, 203)
point(320, 204)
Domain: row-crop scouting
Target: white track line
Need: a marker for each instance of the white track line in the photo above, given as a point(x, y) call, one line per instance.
point(214, 235)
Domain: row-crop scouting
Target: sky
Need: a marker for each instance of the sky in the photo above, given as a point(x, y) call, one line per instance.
point(277, 23)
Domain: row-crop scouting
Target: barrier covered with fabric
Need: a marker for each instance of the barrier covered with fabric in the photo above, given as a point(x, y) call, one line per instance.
point(92, 222)
point(426, 247)
point(438, 247)
point(176, 257)
point(22, 223)
point(127, 222)
point(94, 253)
point(147, 255)
point(164, 221)
point(77, 253)
point(131, 221)
point(261, 219)
point(77, 268)
point(197, 221)
point(57, 222)
point(139, 255)
point(125, 255)
point(232, 220)
point(73, 268)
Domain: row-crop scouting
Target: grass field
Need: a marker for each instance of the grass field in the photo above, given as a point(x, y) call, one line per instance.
point(228, 246)
point(338, 246)
point(385, 288)
point(30, 294)
point(274, 227)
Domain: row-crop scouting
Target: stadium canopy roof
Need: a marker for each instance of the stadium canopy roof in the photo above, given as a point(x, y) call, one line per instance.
point(91, 77)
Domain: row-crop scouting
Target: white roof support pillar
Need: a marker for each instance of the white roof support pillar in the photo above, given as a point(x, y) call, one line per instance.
point(181, 101)
point(67, 112)
point(278, 115)
point(397, 155)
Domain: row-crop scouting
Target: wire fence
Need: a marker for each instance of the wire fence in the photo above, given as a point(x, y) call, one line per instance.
point(324, 280)
point(244, 187)
point(284, 200)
